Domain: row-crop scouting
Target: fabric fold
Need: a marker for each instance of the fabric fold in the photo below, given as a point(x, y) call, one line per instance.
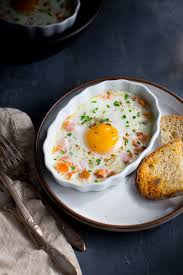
point(18, 253)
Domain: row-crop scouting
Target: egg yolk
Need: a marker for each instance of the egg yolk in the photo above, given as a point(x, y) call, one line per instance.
point(101, 138)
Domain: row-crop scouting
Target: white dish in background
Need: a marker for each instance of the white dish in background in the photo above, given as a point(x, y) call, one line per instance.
point(113, 85)
point(119, 208)
point(42, 30)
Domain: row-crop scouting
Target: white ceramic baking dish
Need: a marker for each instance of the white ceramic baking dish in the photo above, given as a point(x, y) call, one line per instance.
point(114, 85)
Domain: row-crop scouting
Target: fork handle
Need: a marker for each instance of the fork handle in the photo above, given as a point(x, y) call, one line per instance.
point(21, 206)
point(69, 232)
point(59, 259)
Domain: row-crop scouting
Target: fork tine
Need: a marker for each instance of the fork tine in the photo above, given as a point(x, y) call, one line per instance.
point(7, 157)
point(10, 148)
point(2, 164)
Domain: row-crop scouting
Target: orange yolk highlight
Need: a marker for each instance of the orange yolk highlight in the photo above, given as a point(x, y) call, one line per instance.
point(101, 138)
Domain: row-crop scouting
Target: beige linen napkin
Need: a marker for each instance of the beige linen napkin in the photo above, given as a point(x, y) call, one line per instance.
point(18, 253)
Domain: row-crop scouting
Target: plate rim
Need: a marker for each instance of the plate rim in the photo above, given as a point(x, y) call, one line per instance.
point(74, 214)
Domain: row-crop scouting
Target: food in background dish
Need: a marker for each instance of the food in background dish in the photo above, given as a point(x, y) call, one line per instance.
point(24, 6)
point(36, 12)
point(102, 137)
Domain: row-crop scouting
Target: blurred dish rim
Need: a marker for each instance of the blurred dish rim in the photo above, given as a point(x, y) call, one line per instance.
point(51, 29)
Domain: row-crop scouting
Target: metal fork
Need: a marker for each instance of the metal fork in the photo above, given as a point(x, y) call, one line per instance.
point(11, 162)
point(23, 171)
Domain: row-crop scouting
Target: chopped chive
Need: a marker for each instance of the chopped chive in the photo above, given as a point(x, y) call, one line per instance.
point(117, 103)
point(127, 101)
point(105, 120)
point(73, 168)
point(134, 117)
point(108, 106)
point(128, 151)
point(94, 101)
point(96, 180)
point(85, 119)
point(133, 130)
point(98, 161)
point(124, 116)
point(126, 142)
point(126, 96)
point(69, 134)
point(130, 111)
point(62, 151)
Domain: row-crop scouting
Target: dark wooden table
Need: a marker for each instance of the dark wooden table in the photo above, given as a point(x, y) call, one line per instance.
point(143, 39)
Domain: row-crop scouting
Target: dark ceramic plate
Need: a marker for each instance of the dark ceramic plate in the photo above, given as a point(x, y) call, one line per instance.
point(119, 208)
point(17, 47)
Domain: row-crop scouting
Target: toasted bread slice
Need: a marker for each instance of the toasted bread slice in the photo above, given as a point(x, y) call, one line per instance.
point(160, 175)
point(171, 128)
